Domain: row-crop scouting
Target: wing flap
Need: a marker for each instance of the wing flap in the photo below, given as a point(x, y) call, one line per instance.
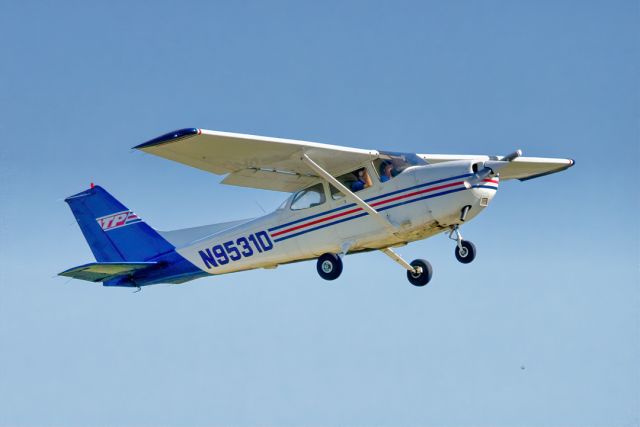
point(269, 180)
point(102, 271)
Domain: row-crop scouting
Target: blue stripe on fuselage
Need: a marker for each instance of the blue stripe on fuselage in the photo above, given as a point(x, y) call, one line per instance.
point(311, 217)
point(360, 215)
point(350, 205)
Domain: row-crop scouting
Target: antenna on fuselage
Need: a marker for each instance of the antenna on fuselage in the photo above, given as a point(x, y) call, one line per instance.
point(260, 206)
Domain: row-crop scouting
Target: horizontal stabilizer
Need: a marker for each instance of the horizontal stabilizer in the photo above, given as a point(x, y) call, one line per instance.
point(103, 271)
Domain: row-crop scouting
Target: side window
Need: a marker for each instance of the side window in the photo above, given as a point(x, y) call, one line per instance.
point(391, 164)
point(308, 198)
point(335, 193)
point(387, 169)
point(355, 181)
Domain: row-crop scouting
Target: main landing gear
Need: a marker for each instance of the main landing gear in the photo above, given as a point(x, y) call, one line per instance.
point(419, 272)
point(329, 266)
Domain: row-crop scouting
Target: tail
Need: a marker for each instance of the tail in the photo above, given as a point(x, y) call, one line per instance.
point(114, 233)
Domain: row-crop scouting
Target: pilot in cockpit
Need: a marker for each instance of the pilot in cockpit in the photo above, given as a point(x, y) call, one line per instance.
point(386, 171)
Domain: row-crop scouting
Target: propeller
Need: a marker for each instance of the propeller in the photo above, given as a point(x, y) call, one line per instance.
point(491, 168)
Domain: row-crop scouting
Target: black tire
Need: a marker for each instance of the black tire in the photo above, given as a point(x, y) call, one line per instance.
point(422, 278)
point(329, 266)
point(468, 252)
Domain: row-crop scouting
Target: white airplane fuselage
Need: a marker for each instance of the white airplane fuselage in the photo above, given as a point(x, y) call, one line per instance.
point(418, 203)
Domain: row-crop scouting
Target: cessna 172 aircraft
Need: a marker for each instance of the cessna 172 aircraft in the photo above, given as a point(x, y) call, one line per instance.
point(344, 200)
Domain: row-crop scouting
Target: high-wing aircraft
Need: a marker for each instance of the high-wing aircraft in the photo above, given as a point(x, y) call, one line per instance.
point(343, 200)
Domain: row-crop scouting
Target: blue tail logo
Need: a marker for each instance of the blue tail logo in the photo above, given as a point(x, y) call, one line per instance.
point(117, 220)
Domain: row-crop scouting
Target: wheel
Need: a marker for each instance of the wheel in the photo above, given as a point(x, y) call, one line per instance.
point(423, 277)
point(329, 266)
point(467, 253)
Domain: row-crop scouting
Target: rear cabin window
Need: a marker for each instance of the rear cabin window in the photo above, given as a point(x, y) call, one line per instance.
point(308, 198)
point(355, 181)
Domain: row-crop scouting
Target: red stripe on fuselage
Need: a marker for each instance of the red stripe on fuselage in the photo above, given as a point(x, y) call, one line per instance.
point(415, 193)
point(297, 227)
point(382, 202)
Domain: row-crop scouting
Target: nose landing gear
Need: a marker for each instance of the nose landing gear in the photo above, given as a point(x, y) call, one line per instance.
point(465, 250)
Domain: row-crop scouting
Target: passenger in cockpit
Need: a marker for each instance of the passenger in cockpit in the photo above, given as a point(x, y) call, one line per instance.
point(363, 180)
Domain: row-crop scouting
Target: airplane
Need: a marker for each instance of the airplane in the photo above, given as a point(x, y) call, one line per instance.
point(343, 201)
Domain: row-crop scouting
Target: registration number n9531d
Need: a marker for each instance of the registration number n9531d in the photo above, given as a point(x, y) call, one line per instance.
point(235, 250)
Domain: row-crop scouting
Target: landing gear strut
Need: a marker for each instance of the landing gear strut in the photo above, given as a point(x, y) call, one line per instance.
point(465, 250)
point(419, 272)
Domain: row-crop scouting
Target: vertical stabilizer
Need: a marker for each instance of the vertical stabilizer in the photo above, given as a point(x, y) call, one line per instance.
point(114, 233)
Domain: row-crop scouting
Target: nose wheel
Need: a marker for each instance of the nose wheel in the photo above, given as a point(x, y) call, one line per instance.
point(465, 250)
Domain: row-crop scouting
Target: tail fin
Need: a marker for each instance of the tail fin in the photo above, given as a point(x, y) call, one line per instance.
point(113, 232)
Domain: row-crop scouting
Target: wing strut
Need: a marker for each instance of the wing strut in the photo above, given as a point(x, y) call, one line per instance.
point(348, 193)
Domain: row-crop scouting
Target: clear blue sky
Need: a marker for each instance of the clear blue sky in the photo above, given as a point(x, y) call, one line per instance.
point(554, 289)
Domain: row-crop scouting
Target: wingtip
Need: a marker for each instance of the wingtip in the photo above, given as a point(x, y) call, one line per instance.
point(169, 137)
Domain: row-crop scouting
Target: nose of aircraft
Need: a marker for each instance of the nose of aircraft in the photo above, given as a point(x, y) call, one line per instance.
point(461, 196)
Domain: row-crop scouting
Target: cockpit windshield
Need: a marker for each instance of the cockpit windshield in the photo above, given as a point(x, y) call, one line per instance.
point(390, 164)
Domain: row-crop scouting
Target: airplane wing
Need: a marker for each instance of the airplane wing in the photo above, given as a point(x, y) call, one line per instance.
point(255, 161)
point(521, 168)
point(275, 163)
